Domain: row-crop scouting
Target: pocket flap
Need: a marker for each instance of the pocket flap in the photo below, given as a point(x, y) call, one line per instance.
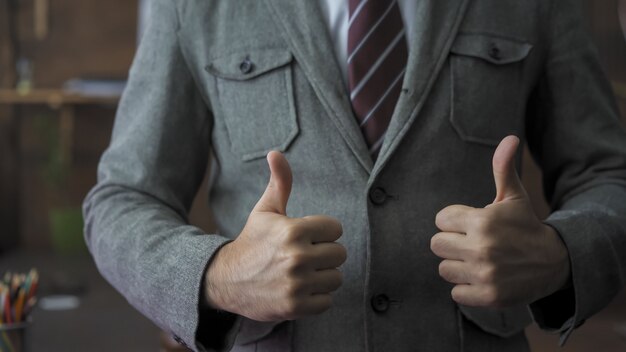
point(248, 64)
point(491, 48)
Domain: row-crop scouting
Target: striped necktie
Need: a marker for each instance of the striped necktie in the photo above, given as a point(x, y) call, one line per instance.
point(377, 57)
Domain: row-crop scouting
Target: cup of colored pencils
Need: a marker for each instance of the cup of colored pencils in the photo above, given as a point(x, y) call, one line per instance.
point(17, 300)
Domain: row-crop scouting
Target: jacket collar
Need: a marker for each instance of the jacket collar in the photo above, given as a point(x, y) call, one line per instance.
point(438, 22)
point(301, 23)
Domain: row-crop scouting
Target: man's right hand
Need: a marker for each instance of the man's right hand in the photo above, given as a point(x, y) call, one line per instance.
point(279, 268)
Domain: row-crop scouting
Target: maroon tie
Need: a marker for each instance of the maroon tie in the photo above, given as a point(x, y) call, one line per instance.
point(377, 56)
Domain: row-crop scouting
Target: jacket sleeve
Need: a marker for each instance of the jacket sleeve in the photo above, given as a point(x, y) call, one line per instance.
point(136, 216)
point(575, 135)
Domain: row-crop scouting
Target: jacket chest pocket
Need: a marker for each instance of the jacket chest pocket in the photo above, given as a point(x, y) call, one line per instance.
point(255, 94)
point(487, 94)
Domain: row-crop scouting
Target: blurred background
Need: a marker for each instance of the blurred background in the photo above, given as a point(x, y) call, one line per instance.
point(62, 69)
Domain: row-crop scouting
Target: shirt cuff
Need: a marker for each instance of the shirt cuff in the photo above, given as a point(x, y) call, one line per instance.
point(217, 330)
point(556, 313)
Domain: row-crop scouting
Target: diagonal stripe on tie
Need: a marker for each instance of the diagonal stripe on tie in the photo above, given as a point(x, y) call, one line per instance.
point(372, 30)
point(378, 85)
point(382, 99)
point(355, 91)
point(355, 13)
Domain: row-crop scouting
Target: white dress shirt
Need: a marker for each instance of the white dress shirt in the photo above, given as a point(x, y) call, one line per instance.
point(337, 17)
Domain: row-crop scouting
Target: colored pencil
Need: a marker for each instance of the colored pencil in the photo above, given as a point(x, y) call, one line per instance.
point(19, 305)
point(33, 285)
point(7, 308)
point(17, 296)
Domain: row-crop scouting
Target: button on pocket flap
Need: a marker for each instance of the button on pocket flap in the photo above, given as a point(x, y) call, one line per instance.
point(246, 65)
point(496, 50)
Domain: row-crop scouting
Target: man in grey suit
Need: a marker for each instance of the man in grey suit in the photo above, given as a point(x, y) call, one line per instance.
point(412, 252)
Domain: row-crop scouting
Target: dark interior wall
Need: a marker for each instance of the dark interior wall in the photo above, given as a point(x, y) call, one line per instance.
point(86, 38)
point(603, 25)
point(97, 38)
point(8, 143)
point(603, 20)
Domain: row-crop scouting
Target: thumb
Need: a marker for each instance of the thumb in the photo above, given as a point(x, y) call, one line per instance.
point(276, 195)
point(508, 184)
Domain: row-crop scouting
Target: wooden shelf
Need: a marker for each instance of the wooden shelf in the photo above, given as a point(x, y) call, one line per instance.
point(54, 98)
point(62, 101)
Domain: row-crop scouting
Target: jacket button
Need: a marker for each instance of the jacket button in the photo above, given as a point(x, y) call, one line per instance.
point(494, 52)
point(378, 196)
point(380, 303)
point(246, 66)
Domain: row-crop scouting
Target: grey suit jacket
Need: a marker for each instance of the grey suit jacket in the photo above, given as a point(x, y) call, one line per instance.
point(481, 69)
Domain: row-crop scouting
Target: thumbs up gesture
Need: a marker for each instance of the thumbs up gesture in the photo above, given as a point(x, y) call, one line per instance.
point(278, 268)
point(500, 255)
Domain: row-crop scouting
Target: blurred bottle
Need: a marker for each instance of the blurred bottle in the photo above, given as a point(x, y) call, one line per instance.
point(24, 69)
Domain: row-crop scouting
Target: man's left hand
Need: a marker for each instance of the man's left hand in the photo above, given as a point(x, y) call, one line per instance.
point(501, 255)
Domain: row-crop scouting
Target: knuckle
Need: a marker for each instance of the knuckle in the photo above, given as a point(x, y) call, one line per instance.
point(442, 245)
point(298, 258)
point(443, 270)
point(325, 223)
point(487, 274)
point(293, 288)
point(290, 309)
point(433, 243)
point(333, 226)
point(482, 223)
point(437, 243)
point(337, 225)
point(492, 297)
point(442, 216)
point(291, 232)
point(296, 261)
point(457, 296)
point(448, 274)
point(483, 253)
point(342, 253)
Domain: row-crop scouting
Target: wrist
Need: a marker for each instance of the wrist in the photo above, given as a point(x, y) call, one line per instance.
point(562, 267)
point(214, 282)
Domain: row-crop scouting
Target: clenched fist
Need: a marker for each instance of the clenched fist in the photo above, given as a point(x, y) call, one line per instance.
point(500, 255)
point(279, 268)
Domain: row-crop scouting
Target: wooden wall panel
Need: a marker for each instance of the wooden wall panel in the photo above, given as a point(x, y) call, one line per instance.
point(9, 177)
point(86, 38)
point(37, 196)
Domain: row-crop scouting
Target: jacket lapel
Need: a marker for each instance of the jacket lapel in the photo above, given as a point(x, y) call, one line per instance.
point(302, 25)
point(437, 22)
